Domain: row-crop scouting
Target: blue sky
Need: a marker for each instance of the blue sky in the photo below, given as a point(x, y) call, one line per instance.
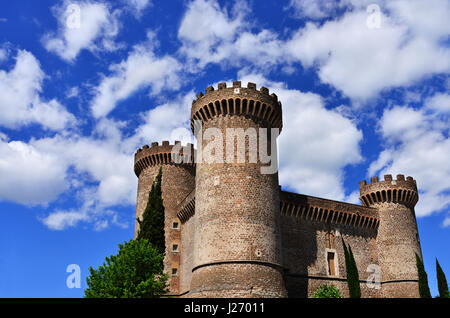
point(365, 92)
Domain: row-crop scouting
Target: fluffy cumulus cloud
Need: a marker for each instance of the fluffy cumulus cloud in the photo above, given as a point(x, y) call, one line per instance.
point(316, 144)
point(361, 59)
point(96, 169)
point(142, 69)
point(82, 25)
point(20, 97)
point(28, 175)
point(313, 9)
point(210, 34)
point(349, 52)
point(137, 7)
point(168, 121)
point(418, 144)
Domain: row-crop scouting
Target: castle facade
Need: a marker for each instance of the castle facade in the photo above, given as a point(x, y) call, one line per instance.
point(232, 232)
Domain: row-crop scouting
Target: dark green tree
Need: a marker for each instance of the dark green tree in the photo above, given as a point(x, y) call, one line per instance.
point(442, 281)
point(135, 272)
point(424, 290)
point(352, 272)
point(151, 227)
point(326, 291)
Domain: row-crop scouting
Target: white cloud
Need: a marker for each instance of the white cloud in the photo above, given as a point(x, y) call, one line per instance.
point(446, 222)
point(28, 175)
point(106, 164)
point(20, 101)
point(142, 69)
point(72, 92)
point(315, 145)
point(96, 170)
point(210, 34)
point(362, 61)
point(82, 25)
point(206, 22)
point(137, 6)
point(417, 144)
point(355, 59)
point(313, 9)
point(63, 219)
point(166, 120)
point(439, 103)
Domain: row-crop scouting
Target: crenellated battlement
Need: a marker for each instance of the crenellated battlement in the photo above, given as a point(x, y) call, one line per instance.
point(157, 154)
point(237, 100)
point(400, 190)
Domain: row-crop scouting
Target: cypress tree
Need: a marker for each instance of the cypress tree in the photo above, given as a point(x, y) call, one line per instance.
point(424, 290)
point(355, 275)
point(442, 281)
point(152, 225)
point(354, 288)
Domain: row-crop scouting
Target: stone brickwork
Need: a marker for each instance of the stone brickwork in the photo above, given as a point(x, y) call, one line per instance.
point(235, 238)
point(178, 180)
point(398, 237)
point(240, 235)
point(313, 227)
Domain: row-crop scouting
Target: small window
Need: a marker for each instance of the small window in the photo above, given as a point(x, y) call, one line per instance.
point(174, 271)
point(175, 248)
point(175, 225)
point(331, 264)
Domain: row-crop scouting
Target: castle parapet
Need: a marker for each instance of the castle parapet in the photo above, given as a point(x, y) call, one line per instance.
point(237, 101)
point(156, 154)
point(401, 190)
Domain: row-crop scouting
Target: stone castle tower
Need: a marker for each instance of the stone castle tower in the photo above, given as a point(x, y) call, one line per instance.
point(232, 232)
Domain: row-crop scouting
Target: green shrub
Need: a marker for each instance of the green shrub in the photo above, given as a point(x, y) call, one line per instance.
point(326, 291)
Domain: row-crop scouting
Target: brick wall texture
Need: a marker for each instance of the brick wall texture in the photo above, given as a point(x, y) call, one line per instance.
point(237, 234)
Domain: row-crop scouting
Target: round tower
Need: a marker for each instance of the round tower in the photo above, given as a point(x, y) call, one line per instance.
point(237, 248)
point(397, 237)
point(178, 180)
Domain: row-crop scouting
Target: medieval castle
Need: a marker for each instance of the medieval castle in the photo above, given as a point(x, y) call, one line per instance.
point(232, 232)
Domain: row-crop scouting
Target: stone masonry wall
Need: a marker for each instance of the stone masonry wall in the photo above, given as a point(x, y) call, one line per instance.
point(398, 238)
point(306, 243)
point(237, 247)
point(178, 181)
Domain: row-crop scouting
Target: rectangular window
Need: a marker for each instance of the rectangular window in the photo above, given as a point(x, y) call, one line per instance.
point(175, 247)
point(174, 271)
point(331, 264)
point(175, 225)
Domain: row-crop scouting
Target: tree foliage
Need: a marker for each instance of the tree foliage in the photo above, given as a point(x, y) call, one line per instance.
point(352, 272)
point(135, 272)
point(151, 227)
point(424, 290)
point(442, 281)
point(326, 291)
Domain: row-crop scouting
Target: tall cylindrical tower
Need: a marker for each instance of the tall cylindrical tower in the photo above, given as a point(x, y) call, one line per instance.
point(397, 237)
point(237, 234)
point(178, 180)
